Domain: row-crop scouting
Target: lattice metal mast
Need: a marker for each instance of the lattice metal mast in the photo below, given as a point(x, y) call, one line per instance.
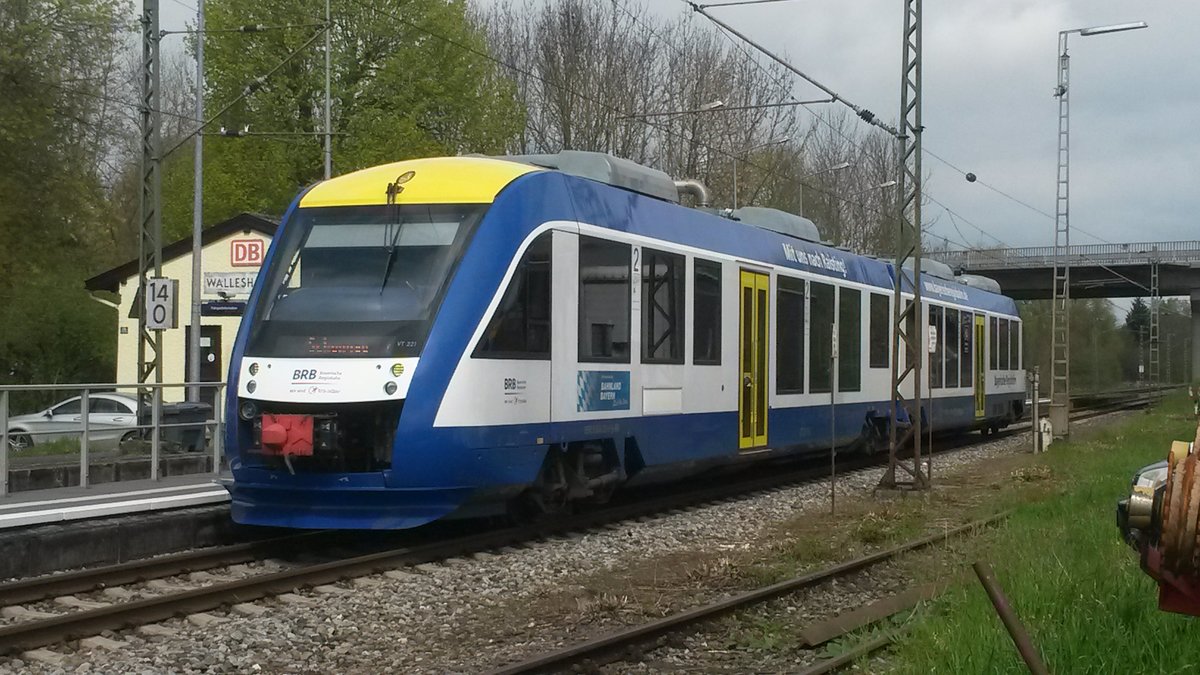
point(908, 342)
point(149, 352)
point(1155, 308)
point(1060, 318)
point(1060, 330)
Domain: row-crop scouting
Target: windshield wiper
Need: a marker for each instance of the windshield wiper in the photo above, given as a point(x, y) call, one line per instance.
point(391, 256)
point(393, 190)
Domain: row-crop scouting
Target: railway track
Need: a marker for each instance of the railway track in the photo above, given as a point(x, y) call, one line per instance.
point(91, 620)
point(614, 646)
point(589, 655)
point(115, 610)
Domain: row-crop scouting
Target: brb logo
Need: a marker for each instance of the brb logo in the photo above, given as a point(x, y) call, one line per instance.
point(304, 375)
point(246, 252)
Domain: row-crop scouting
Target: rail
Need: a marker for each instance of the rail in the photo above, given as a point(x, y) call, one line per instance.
point(1139, 253)
point(139, 426)
point(41, 632)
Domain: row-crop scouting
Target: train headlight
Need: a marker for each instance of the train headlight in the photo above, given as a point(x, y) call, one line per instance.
point(389, 388)
point(248, 410)
point(251, 386)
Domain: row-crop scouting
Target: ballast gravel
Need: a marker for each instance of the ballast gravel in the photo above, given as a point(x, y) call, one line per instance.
point(469, 615)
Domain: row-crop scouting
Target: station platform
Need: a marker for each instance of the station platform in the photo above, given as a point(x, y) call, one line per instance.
point(58, 505)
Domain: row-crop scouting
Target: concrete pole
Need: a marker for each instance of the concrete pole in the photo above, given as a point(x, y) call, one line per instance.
point(193, 358)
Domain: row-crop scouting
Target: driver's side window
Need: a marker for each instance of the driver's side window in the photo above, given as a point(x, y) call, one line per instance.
point(69, 408)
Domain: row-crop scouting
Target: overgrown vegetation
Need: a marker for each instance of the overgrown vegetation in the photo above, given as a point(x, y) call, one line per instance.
point(1106, 350)
point(1076, 586)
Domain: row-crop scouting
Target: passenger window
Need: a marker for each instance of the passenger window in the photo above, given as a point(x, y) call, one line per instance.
point(965, 353)
point(994, 346)
point(789, 336)
point(1003, 348)
point(950, 338)
point(850, 340)
point(939, 349)
point(820, 338)
point(520, 328)
point(706, 326)
point(604, 271)
point(1015, 344)
point(662, 306)
point(881, 328)
point(910, 329)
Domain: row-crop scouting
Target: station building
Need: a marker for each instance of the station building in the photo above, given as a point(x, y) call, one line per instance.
point(231, 255)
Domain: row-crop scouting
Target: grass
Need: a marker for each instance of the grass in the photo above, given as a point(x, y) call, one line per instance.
point(58, 446)
point(1074, 584)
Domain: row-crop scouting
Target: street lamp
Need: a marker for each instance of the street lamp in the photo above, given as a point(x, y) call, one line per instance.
point(1060, 329)
point(801, 179)
point(747, 151)
point(835, 167)
point(881, 186)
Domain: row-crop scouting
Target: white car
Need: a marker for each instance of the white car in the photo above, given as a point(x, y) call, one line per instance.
point(112, 420)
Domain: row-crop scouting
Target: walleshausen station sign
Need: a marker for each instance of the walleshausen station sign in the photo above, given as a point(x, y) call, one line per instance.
point(231, 255)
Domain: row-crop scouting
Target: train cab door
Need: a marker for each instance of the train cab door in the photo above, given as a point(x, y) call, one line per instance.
point(752, 360)
point(980, 352)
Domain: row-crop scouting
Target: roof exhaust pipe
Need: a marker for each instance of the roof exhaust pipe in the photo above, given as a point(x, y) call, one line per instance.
point(696, 189)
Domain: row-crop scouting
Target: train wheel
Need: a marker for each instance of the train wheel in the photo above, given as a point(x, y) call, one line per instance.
point(548, 495)
point(874, 439)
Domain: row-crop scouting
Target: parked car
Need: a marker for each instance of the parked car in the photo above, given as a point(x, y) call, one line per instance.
point(112, 420)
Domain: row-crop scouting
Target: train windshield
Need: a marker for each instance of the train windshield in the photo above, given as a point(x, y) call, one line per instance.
point(359, 281)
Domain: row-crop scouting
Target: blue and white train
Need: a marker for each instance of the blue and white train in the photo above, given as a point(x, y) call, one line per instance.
point(459, 336)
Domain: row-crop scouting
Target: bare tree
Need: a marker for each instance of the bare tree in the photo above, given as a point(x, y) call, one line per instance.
point(600, 76)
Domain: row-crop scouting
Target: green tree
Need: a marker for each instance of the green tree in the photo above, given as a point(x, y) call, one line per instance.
point(397, 93)
point(57, 63)
point(1097, 342)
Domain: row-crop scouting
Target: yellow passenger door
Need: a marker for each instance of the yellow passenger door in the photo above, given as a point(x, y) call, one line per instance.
point(752, 403)
point(980, 352)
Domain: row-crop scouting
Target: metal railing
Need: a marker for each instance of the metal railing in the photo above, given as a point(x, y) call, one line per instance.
point(147, 428)
point(1139, 253)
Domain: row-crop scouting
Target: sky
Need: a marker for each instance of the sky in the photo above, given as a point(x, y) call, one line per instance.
point(989, 70)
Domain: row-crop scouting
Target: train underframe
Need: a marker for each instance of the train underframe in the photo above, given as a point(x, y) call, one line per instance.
point(349, 468)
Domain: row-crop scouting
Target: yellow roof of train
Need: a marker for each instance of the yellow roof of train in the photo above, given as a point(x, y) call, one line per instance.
point(434, 180)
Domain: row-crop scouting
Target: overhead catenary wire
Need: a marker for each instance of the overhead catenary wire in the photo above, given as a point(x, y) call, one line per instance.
point(185, 5)
point(665, 130)
point(864, 114)
point(925, 150)
point(1016, 200)
point(247, 28)
point(255, 84)
point(735, 3)
point(926, 195)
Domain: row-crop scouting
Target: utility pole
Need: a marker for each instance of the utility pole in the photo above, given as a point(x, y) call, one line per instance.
point(149, 352)
point(328, 126)
point(193, 373)
point(908, 327)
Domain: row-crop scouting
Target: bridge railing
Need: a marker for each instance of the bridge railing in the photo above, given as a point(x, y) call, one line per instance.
point(1094, 254)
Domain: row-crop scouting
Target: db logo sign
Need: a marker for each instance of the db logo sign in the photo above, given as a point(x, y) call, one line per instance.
point(247, 252)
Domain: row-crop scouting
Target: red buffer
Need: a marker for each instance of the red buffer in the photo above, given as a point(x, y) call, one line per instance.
point(287, 435)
